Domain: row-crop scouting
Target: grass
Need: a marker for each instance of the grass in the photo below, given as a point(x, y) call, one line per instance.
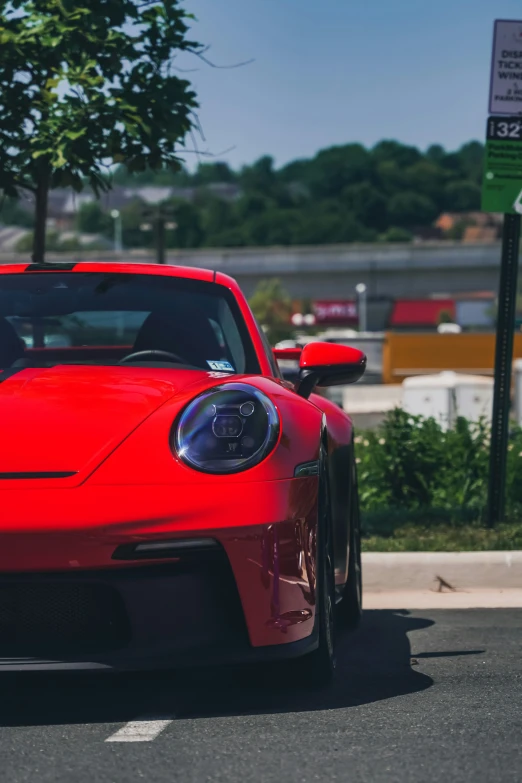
point(445, 538)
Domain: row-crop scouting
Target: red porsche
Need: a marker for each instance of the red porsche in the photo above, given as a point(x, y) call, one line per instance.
point(166, 497)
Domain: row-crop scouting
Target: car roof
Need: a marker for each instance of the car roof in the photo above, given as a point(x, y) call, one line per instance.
point(125, 267)
point(121, 267)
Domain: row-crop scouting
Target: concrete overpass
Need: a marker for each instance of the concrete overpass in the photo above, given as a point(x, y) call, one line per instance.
point(333, 271)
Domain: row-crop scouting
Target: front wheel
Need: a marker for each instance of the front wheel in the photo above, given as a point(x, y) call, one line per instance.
point(351, 605)
point(318, 667)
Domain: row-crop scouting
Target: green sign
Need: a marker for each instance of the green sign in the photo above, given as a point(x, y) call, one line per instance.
point(502, 185)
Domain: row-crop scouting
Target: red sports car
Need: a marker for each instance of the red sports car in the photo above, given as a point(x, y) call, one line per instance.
point(166, 497)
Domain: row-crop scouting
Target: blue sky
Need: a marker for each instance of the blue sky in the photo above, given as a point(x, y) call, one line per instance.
point(336, 71)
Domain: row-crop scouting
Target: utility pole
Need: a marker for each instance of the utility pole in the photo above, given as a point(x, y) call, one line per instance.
point(159, 220)
point(361, 306)
point(118, 243)
point(503, 363)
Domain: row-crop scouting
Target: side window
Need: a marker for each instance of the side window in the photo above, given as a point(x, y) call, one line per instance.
point(229, 336)
point(271, 358)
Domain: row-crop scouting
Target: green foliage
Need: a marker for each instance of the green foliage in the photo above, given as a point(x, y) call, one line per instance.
point(463, 196)
point(411, 463)
point(425, 488)
point(272, 308)
point(457, 232)
point(131, 220)
point(189, 232)
point(411, 209)
point(55, 244)
point(13, 214)
point(91, 219)
point(344, 194)
point(85, 86)
point(445, 317)
point(446, 538)
point(25, 243)
point(395, 234)
point(70, 245)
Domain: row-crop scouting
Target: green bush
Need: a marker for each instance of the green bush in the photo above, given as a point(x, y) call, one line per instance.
point(25, 243)
point(446, 538)
point(411, 471)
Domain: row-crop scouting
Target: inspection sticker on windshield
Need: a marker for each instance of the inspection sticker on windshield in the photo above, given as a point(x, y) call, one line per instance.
point(220, 366)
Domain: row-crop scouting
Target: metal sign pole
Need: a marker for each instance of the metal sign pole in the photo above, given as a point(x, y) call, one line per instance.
point(159, 216)
point(501, 192)
point(503, 362)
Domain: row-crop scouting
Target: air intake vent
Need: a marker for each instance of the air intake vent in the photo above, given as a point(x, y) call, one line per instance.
point(58, 618)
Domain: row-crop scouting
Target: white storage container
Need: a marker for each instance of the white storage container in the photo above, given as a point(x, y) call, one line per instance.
point(447, 395)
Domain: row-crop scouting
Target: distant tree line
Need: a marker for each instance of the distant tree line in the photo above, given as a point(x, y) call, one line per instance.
point(344, 194)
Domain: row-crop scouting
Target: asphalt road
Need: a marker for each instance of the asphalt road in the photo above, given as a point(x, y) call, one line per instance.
point(453, 713)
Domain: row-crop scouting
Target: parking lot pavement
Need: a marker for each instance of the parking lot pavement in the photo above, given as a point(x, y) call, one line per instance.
point(424, 695)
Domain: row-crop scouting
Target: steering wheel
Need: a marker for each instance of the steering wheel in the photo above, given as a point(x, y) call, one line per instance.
point(152, 353)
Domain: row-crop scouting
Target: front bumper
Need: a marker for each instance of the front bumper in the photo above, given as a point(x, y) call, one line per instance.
point(130, 619)
point(253, 598)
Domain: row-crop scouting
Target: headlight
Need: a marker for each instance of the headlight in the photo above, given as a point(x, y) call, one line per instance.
point(227, 429)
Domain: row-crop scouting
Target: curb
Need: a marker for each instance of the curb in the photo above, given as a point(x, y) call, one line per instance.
point(385, 572)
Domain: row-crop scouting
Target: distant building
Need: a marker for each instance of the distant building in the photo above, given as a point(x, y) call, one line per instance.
point(471, 311)
point(476, 226)
point(64, 203)
point(415, 314)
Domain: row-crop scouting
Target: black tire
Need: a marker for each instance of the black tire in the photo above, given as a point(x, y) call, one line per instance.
point(317, 669)
point(351, 606)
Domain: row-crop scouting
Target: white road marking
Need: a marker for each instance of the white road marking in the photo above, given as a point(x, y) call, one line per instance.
point(139, 730)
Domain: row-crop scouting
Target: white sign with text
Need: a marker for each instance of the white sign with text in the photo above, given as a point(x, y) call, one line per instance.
point(505, 95)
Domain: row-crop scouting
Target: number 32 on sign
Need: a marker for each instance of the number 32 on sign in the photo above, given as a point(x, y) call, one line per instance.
point(502, 186)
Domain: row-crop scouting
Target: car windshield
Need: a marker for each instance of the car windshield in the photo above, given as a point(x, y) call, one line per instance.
point(106, 319)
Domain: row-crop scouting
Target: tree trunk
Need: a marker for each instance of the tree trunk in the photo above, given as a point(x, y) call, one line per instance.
point(40, 217)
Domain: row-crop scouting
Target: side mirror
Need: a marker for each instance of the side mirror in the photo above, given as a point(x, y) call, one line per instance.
point(327, 364)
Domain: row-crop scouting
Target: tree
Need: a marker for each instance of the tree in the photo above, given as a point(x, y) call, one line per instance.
point(164, 176)
point(411, 209)
point(462, 196)
point(435, 153)
point(397, 235)
point(91, 219)
point(367, 204)
point(395, 152)
point(272, 308)
point(472, 158)
point(275, 227)
point(209, 173)
point(428, 180)
point(217, 217)
point(189, 232)
point(131, 220)
point(344, 194)
point(260, 176)
point(445, 317)
point(83, 87)
point(13, 214)
point(335, 168)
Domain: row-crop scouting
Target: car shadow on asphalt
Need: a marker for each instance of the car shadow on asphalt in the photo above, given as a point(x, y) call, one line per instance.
point(374, 663)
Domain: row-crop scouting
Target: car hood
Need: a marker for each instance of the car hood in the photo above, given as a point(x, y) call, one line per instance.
point(68, 419)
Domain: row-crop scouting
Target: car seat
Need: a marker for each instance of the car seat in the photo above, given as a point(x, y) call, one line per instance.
point(184, 332)
point(11, 345)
